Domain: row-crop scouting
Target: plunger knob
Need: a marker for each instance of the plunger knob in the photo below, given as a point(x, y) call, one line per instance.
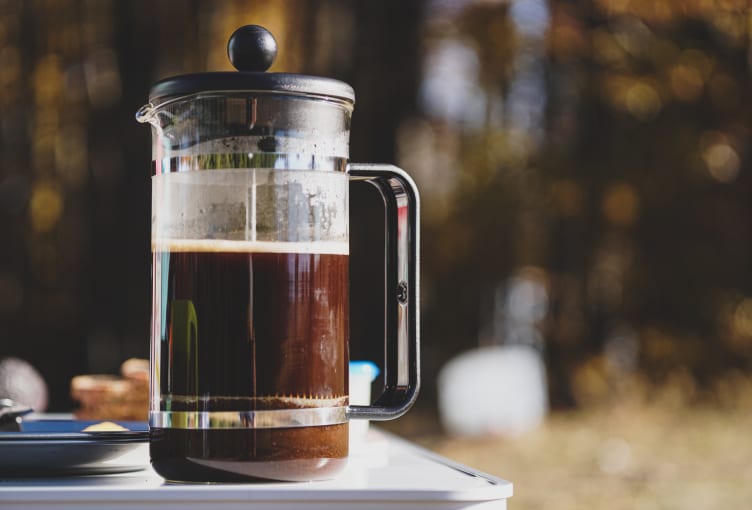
point(252, 48)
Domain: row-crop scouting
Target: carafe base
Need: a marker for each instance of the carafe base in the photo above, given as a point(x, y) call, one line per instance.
point(249, 455)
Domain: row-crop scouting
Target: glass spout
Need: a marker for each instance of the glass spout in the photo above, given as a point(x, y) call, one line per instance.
point(147, 114)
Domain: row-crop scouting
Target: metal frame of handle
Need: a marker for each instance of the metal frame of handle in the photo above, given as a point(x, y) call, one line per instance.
point(402, 303)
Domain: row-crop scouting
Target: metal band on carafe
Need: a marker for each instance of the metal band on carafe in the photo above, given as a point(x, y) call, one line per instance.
point(265, 419)
point(245, 160)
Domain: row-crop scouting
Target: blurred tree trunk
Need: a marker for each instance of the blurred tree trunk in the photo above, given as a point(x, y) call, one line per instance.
point(385, 72)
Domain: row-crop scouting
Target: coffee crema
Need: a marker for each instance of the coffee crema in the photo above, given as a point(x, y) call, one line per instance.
point(249, 327)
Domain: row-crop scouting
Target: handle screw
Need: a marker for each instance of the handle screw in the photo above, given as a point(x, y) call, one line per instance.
point(402, 292)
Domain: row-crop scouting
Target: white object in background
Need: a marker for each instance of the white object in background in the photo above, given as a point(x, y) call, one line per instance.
point(362, 374)
point(493, 390)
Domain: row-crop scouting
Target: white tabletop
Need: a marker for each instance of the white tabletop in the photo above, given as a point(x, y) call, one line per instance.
point(383, 472)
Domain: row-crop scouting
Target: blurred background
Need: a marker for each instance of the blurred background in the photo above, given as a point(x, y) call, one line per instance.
point(587, 223)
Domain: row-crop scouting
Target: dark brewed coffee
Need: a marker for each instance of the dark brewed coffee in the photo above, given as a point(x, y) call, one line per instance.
point(249, 327)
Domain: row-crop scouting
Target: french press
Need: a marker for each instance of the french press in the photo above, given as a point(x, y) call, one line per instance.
point(250, 246)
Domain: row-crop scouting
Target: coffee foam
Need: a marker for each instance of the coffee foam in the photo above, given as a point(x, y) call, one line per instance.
point(237, 246)
point(261, 402)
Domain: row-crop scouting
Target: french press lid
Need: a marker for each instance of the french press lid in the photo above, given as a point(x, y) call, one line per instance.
point(252, 50)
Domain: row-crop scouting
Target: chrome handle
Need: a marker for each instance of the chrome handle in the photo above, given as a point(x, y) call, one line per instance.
point(402, 335)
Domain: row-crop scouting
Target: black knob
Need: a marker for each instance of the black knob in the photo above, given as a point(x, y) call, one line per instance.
point(252, 48)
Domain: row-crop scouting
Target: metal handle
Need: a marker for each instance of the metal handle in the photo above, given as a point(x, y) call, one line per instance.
point(402, 335)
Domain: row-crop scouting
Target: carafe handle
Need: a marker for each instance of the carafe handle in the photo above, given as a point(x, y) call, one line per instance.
point(402, 306)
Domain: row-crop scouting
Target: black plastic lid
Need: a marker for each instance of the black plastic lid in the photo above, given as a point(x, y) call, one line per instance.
point(252, 50)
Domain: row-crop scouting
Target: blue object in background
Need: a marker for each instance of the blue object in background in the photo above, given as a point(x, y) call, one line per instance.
point(364, 368)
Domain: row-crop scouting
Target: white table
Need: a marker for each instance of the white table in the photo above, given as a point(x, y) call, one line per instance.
point(383, 472)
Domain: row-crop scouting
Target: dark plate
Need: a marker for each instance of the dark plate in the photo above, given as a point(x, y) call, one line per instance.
point(61, 448)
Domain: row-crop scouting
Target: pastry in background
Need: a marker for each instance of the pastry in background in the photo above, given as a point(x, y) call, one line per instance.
point(136, 369)
point(109, 397)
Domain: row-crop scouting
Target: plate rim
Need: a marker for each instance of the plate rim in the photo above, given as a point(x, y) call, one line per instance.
point(93, 437)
